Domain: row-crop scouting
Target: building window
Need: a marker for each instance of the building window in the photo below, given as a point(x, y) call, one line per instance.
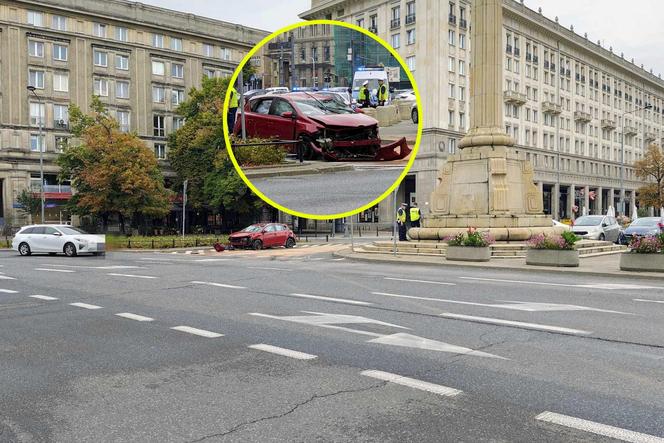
point(410, 36)
point(37, 143)
point(36, 49)
point(178, 122)
point(100, 58)
point(462, 67)
point(176, 44)
point(209, 73)
point(59, 23)
point(101, 87)
point(451, 145)
point(35, 18)
point(37, 114)
point(158, 40)
point(452, 93)
point(61, 82)
point(396, 41)
point(158, 68)
point(122, 62)
point(123, 121)
point(360, 22)
point(158, 126)
point(160, 151)
point(177, 70)
point(208, 50)
point(450, 117)
point(60, 116)
point(462, 121)
point(122, 89)
point(410, 61)
point(451, 63)
point(373, 23)
point(36, 79)
point(99, 30)
point(462, 93)
point(177, 96)
point(60, 53)
point(225, 54)
point(121, 34)
point(451, 37)
point(158, 94)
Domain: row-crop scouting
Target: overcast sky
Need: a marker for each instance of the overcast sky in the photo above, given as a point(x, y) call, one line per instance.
point(633, 27)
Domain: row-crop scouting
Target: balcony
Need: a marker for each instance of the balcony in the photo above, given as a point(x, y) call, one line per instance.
point(410, 19)
point(553, 67)
point(508, 49)
point(552, 108)
point(463, 23)
point(650, 137)
point(452, 19)
point(582, 117)
point(535, 59)
point(395, 23)
point(630, 130)
point(61, 124)
point(529, 57)
point(515, 98)
point(546, 64)
point(517, 52)
point(373, 29)
point(608, 124)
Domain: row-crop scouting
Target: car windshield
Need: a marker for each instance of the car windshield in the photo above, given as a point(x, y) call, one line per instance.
point(321, 107)
point(68, 230)
point(646, 222)
point(589, 221)
point(252, 228)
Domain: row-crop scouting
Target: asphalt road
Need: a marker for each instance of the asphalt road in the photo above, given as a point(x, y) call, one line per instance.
point(331, 193)
point(364, 352)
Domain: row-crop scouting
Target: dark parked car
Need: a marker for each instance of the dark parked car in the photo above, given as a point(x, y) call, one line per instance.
point(642, 227)
point(263, 235)
point(325, 126)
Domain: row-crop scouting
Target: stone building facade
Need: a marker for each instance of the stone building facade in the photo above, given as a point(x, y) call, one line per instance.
point(141, 60)
point(568, 101)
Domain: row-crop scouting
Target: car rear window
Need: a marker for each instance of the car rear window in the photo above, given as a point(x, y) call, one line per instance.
point(37, 230)
point(27, 231)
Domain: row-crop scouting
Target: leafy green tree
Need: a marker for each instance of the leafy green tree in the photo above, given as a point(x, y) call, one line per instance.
point(651, 169)
point(112, 172)
point(30, 204)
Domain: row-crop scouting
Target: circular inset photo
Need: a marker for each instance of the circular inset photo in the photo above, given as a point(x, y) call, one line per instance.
point(330, 128)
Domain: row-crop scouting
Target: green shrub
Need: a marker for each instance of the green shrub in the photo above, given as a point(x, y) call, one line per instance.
point(258, 155)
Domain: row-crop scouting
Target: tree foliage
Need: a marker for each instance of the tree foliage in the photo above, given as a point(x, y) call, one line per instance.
point(30, 203)
point(112, 172)
point(651, 169)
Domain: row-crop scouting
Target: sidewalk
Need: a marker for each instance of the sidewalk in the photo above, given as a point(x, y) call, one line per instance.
point(605, 265)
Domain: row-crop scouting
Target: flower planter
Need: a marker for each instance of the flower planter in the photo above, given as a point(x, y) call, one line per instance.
point(631, 261)
point(552, 257)
point(468, 253)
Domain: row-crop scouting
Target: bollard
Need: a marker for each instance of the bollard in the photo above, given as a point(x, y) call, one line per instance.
point(173, 242)
point(376, 231)
point(196, 242)
point(327, 238)
point(152, 243)
point(128, 244)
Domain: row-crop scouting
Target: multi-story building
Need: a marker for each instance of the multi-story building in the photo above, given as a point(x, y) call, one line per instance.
point(140, 60)
point(568, 101)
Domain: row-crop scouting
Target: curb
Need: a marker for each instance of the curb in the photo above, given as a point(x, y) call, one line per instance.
point(295, 172)
point(346, 253)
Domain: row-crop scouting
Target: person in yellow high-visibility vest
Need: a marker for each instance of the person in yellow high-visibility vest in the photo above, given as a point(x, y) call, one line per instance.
point(382, 93)
point(364, 96)
point(415, 215)
point(232, 109)
point(401, 222)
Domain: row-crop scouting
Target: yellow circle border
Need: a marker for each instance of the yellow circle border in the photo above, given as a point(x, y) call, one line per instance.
point(238, 168)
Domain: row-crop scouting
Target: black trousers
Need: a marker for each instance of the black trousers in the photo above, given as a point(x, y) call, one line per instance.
point(230, 117)
point(415, 224)
point(402, 232)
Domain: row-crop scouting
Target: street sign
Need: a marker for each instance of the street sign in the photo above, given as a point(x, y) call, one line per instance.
point(393, 74)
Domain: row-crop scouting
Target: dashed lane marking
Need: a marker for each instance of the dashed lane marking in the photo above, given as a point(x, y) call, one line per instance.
point(136, 317)
point(333, 299)
point(132, 276)
point(219, 285)
point(52, 270)
point(195, 331)
point(94, 267)
point(267, 268)
point(605, 286)
point(283, 351)
point(8, 291)
point(649, 301)
point(4, 277)
point(85, 306)
point(498, 321)
point(421, 281)
point(598, 428)
point(43, 297)
point(412, 383)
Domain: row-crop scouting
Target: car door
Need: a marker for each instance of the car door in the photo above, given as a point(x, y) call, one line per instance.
point(614, 229)
point(36, 240)
point(269, 236)
point(281, 235)
point(258, 120)
point(283, 127)
point(53, 240)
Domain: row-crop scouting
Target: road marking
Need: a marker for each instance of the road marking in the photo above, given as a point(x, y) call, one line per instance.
point(220, 285)
point(85, 306)
point(648, 301)
point(283, 351)
point(204, 260)
point(317, 259)
point(195, 331)
point(132, 276)
point(136, 317)
point(338, 259)
point(4, 277)
point(413, 341)
point(412, 383)
point(606, 286)
point(268, 268)
point(50, 270)
point(339, 300)
point(598, 428)
point(421, 281)
point(8, 291)
point(498, 321)
point(43, 297)
point(94, 267)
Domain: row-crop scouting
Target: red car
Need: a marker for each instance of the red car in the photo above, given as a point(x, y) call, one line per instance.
point(326, 126)
point(263, 235)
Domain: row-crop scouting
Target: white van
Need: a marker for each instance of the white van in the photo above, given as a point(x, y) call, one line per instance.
point(372, 76)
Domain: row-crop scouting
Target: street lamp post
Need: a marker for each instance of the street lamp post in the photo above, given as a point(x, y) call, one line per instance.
point(622, 156)
point(41, 149)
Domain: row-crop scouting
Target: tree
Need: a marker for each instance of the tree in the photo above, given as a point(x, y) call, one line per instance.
point(112, 172)
point(651, 169)
point(30, 203)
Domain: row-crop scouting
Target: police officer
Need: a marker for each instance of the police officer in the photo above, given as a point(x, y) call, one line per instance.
point(382, 93)
point(364, 96)
point(415, 216)
point(401, 222)
point(232, 109)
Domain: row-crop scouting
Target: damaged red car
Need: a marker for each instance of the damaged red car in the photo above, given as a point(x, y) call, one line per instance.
point(263, 235)
point(324, 125)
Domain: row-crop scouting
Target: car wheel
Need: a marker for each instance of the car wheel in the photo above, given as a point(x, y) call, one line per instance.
point(414, 116)
point(290, 242)
point(307, 151)
point(70, 250)
point(602, 237)
point(24, 249)
point(257, 245)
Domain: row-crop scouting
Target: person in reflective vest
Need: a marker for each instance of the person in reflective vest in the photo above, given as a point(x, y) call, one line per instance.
point(364, 96)
point(415, 216)
point(232, 109)
point(401, 222)
point(382, 93)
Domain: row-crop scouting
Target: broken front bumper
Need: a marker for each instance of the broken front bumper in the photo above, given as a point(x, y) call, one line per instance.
point(369, 150)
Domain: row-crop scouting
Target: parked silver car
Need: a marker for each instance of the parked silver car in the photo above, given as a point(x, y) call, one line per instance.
point(597, 227)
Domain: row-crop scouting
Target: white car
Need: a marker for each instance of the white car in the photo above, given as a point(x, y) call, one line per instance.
point(55, 239)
